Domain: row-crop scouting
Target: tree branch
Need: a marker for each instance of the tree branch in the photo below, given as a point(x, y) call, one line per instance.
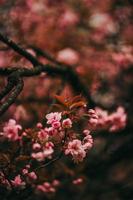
point(17, 74)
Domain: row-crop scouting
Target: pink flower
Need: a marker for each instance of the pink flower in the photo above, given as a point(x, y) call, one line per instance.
point(46, 187)
point(48, 150)
point(39, 125)
point(86, 132)
point(17, 182)
point(32, 175)
point(102, 116)
point(40, 188)
point(103, 22)
point(87, 142)
point(68, 56)
point(55, 183)
point(42, 134)
point(76, 149)
point(93, 122)
point(11, 129)
point(52, 117)
point(77, 181)
point(93, 118)
point(24, 134)
point(49, 144)
point(39, 156)
point(21, 113)
point(25, 171)
point(4, 181)
point(67, 123)
point(51, 131)
point(113, 122)
point(56, 124)
point(36, 146)
point(118, 119)
point(69, 18)
point(45, 153)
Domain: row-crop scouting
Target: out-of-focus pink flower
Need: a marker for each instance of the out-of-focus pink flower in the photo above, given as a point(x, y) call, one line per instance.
point(32, 175)
point(39, 156)
point(103, 22)
point(39, 125)
point(68, 18)
point(77, 181)
point(67, 123)
point(24, 134)
point(56, 183)
point(48, 150)
point(114, 121)
point(36, 146)
point(124, 57)
point(36, 6)
point(4, 181)
point(17, 182)
point(21, 113)
point(86, 132)
point(68, 56)
point(25, 171)
point(11, 129)
point(46, 187)
point(93, 118)
point(118, 119)
point(88, 142)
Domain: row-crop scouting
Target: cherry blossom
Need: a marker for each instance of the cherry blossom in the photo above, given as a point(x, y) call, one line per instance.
point(18, 182)
point(68, 56)
point(76, 149)
point(67, 123)
point(53, 117)
point(11, 130)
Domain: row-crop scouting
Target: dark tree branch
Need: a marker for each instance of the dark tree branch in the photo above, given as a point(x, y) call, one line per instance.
point(11, 99)
point(19, 50)
point(46, 55)
point(16, 75)
point(6, 90)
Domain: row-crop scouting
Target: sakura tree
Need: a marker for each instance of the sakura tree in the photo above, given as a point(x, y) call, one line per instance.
point(65, 99)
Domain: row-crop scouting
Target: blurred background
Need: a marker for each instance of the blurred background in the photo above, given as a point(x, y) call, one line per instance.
point(96, 39)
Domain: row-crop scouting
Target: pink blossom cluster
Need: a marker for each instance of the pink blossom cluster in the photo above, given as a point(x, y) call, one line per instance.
point(114, 121)
point(47, 187)
point(78, 149)
point(55, 129)
point(54, 119)
point(44, 152)
point(11, 130)
point(29, 175)
point(44, 142)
